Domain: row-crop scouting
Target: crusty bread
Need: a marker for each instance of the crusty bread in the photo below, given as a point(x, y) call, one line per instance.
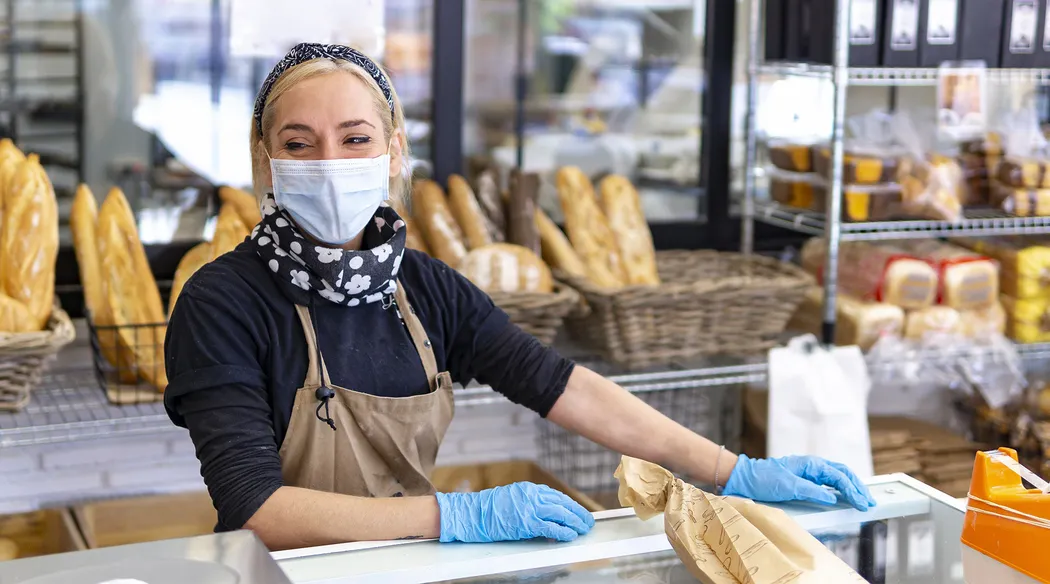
point(14, 316)
point(589, 230)
point(505, 267)
point(623, 208)
point(131, 289)
point(486, 188)
point(433, 215)
point(29, 241)
point(521, 211)
point(557, 251)
point(194, 260)
point(245, 204)
point(230, 231)
point(859, 322)
point(468, 213)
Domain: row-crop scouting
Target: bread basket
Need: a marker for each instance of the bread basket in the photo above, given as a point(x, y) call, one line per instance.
point(25, 356)
point(708, 303)
point(541, 314)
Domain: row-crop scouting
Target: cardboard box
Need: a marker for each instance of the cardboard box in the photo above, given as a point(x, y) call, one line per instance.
point(40, 533)
point(939, 40)
point(900, 46)
point(142, 519)
point(1020, 32)
point(478, 477)
point(981, 30)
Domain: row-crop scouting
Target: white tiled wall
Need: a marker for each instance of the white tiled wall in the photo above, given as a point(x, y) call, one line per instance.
point(57, 474)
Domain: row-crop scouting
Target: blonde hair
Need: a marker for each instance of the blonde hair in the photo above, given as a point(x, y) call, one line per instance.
point(393, 122)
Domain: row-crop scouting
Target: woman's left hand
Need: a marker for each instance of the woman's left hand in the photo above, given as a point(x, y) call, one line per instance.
point(796, 478)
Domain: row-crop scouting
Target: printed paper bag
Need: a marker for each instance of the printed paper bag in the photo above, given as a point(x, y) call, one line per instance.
point(725, 540)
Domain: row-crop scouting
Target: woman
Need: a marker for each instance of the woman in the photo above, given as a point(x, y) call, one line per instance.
point(313, 365)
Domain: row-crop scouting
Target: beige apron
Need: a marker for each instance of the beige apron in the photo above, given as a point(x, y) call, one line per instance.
point(381, 446)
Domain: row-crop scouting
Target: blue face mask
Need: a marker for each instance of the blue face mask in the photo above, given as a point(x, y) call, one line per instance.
point(331, 200)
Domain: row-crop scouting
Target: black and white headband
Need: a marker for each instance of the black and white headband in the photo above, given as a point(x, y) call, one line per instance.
point(304, 52)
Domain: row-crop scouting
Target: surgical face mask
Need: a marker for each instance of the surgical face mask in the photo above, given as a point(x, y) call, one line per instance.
point(332, 200)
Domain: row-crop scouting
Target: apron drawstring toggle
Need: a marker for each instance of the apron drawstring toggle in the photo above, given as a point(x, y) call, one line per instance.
point(324, 394)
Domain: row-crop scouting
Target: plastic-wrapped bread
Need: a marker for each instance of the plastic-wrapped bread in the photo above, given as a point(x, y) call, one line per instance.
point(244, 202)
point(985, 322)
point(1020, 201)
point(468, 213)
point(230, 231)
point(589, 230)
point(194, 260)
point(1024, 264)
point(557, 251)
point(876, 272)
point(623, 208)
point(521, 211)
point(131, 289)
point(433, 215)
point(933, 320)
point(1027, 320)
point(859, 322)
point(1027, 173)
point(83, 221)
point(505, 267)
point(968, 281)
point(29, 241)
point(487, 190)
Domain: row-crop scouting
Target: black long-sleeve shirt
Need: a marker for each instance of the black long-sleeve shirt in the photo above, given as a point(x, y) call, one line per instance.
point(236, 354)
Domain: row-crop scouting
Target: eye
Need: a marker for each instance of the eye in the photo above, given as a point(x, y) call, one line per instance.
point(358, 140)
point(294, 146)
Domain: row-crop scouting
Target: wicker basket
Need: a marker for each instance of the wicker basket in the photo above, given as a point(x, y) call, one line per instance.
point(708, 303)
point(25, 356)
point(539, 314)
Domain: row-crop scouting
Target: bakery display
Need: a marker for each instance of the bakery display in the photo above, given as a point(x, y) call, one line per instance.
point(1022, 202)
point(933, 320)
point(860, 203)
point(983, 322)
point(860, 166)
point(487, 190)
point(230, 231)
point(468, 213)
point(245, 203)
point(505, 267)
point(858, 322)
point(28, 242)
point(795, 189)
point(589, 230)
point(877, 272)
point(967, 280)
point(1024, 263)
point(932, 187)
point(1024, 173)
point(194, 260)
point(431, 212)
point(623, 208)
point(790, 156)
point(556, 249)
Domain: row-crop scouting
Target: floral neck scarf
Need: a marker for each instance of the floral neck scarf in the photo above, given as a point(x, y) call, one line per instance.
point(346, 277)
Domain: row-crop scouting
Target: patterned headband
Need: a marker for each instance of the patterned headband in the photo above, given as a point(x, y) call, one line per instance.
point(304, 52)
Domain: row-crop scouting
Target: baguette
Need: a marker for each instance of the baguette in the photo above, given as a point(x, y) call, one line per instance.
point(434, 217)
point(194, 260)
point(468, 213)
point(230, 231)
point(413, 236)
point(14, 316)
point(556, 249)
point(623, 208)
point(130, 288)
point(245, 204)
point(589, 230)
point(504, 267)
point(29, 242)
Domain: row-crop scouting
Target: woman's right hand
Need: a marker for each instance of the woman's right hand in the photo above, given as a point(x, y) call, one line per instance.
point(514, 512)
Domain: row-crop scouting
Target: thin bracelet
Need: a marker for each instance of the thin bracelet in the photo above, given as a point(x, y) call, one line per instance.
point(718, 487)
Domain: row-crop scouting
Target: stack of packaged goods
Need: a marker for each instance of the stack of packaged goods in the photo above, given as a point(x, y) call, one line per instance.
point(979, 160)
point(945, 459)
point(892, 451)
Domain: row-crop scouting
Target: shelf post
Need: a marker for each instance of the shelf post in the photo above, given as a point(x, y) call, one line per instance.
point(833, 220)
point(747, 228)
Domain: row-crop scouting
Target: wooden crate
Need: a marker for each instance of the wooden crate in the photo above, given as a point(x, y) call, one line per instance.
point(477, 477)
point(142, 519)
point(51, 531)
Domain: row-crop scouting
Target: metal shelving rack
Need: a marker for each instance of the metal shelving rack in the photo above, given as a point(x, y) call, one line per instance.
point(977, 223)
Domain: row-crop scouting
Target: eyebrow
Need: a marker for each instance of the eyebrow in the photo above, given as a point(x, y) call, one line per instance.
point(306, 128)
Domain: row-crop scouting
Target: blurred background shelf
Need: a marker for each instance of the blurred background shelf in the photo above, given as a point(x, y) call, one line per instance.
point(897, 77)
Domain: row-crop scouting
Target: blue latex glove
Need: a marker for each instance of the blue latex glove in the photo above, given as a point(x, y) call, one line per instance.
point(510, 513)
point(796, 478)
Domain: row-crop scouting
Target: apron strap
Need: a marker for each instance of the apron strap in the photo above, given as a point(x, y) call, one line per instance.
point(419, 336)
point(313, 353)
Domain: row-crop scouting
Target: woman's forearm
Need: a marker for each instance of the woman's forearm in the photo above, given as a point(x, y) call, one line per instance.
point(296, 518)
point(604, 412)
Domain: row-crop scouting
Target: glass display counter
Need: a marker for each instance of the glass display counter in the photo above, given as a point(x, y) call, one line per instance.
point(912, 536)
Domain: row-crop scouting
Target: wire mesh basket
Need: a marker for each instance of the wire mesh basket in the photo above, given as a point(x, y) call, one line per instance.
point(25, 356)
point(714, 412)
point(129, 361)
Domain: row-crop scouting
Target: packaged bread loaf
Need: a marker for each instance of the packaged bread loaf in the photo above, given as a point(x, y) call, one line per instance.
point(968, 280)
point(790, 156)
point(468, 213)
point(556, 249)
point(623, 208)
point(1025, 173)
point(861, 203)
point(433, 216)
point(83, 221)
point(860, 165)
point(244, 202)
point(983, 323)
point(491, 202)
point(858, 322)
point(521, 211)
point(932, 321)
point(29, 242)
point(876, 272)
point(794, 189)
point(589, 230)
point(1024, 263)
point(194, 260)
point(932, 187)
point(1027, 321)
point(131, 289)
point(505, 267)
point(230, 231)
point(1021, 202)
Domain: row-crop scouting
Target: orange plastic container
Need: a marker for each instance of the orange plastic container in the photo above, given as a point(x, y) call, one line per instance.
point(1001, 530)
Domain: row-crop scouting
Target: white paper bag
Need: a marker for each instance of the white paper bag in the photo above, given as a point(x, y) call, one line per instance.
point(818, 404)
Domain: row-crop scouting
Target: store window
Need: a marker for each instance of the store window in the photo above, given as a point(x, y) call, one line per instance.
point(610, 86)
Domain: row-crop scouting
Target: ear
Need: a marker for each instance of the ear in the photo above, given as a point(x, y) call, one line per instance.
point(264, 161)
point(397, 154)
